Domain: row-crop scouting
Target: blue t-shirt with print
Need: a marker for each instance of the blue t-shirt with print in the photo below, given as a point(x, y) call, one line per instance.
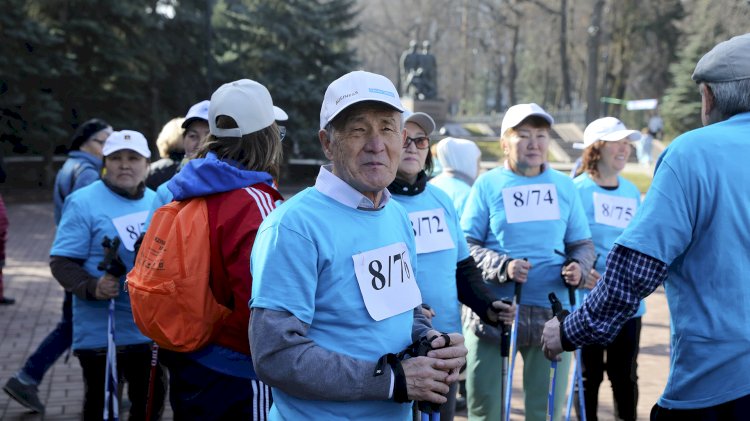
point(440, 246)
point(303, 262)
point(542, 214)
point(695, 219)
point(90, 214)
point(616, 208)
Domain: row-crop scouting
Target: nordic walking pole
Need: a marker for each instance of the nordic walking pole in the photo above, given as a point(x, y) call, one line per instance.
point(109, 264)
point(505, 354)
point(557, 311)
point(151, 380)
point(112, 265)
point(577, 378)
point(512, 351)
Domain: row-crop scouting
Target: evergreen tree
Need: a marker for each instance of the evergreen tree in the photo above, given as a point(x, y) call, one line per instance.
point(681, 105)
point(294, 47)
point(30, 112)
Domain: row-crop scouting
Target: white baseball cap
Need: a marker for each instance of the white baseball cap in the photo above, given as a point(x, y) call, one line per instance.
point(279, 114)
point(126, 139)
point(246, 101)
point(608, 129)
point(421, 119)
point(198, 111)
point(519, 112)
point(356, 87)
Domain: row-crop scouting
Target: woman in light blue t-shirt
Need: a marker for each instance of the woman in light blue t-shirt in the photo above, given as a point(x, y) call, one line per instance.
point(113, 207)
point(447, 275)
point(525, 225)
point(610, 202)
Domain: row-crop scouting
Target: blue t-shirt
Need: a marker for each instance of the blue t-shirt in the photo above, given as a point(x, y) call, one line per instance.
point(90, 214)
point(455, 188)
point(303, 263)
point(541, 215)
point(608, 212)
point(695, 219)
point(440, 245)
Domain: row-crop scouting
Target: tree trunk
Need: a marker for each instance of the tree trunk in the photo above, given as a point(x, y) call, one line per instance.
point(566, 96)
point(512, 68)
point(499, 87)
point(592, 68)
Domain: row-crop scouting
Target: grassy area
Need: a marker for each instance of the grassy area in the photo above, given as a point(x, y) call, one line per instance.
point(490, 150)
point(642, 180)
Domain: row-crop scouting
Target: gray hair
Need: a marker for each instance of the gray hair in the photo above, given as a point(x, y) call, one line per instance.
point(731, 98)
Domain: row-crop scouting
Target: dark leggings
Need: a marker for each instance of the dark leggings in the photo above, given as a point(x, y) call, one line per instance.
point(620, 365)
point(133, 365)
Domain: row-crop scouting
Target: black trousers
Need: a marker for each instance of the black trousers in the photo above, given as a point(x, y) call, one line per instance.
point(198, 393)
point(618, 359)
point(736, 410)
point(133, 366)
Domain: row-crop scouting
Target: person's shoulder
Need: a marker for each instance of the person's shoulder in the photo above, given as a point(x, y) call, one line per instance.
point(559, 178)
point(149, 195)
point(86, 192)
point(490, 176)
point(439, 195)
point(582, 180)
point(300, 208)
point(628, 187)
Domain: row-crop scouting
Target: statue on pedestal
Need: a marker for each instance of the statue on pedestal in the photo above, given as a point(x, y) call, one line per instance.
point(419, 72)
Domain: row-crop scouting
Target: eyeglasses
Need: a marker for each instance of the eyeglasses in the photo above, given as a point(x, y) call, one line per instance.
point(421, 142)
point(282, 132)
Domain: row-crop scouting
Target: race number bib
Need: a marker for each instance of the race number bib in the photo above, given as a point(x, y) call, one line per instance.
point(431, 231)
point(532, 202)
point(387, 281)
point(614, 211)
point(129, 228)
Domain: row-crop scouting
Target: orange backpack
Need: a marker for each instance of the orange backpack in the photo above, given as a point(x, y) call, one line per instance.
point(169, 288)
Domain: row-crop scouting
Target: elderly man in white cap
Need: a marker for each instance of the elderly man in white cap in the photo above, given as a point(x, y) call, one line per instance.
point(688, 235)
point(334, 292)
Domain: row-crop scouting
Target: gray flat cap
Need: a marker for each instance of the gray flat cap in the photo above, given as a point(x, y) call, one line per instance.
point(726, 62)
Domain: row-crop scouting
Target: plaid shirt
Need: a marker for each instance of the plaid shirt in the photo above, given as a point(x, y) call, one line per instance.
point(629, 277)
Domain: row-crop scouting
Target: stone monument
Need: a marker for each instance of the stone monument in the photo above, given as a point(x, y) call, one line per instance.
point(419, 82)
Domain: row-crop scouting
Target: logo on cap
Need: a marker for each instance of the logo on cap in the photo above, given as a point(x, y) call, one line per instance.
point(346, 96)
point(382, 92)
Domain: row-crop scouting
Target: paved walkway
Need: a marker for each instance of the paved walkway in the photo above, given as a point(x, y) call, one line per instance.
point(39, 299)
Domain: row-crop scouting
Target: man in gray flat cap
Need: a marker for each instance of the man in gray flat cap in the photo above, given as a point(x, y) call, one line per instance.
point(690, 234)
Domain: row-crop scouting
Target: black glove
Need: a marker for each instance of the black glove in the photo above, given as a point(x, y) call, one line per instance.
point(112, 264)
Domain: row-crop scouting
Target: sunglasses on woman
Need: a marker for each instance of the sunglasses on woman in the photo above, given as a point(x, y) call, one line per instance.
point(421, 142)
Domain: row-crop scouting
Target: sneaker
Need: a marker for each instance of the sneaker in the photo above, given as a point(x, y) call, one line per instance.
point(24, 394)
point(6, 301)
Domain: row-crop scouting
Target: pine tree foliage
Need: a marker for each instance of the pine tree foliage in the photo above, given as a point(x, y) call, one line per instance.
point(294, 47)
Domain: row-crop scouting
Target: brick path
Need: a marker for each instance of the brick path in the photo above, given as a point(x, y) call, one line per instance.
point(39, 299)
